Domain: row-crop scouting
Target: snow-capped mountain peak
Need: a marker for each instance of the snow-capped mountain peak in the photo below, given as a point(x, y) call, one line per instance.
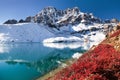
point(53, 16)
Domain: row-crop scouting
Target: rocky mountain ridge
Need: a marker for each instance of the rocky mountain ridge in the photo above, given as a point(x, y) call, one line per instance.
point(54, 17)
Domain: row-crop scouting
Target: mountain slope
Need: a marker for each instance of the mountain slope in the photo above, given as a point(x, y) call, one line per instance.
point(28, 32)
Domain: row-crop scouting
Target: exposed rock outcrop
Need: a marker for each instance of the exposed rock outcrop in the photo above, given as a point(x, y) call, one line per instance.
point(12, 21)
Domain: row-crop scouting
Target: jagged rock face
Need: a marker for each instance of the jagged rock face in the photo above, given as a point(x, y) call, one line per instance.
point(52, 16)
point(13, 21)
point(49, 16)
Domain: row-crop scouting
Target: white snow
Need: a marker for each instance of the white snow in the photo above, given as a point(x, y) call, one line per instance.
point(74, 42)
point(98, 37)
point(76, 55)
point(29, 32)
point(82, 26)
point(79, 27)
point(93, 39)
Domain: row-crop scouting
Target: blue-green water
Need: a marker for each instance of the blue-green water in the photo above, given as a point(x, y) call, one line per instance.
point(27, 61)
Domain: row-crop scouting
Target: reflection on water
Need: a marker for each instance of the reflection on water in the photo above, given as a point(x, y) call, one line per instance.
point(73, 45)
point(63, 45)
point(4, 48)
point(29, 60)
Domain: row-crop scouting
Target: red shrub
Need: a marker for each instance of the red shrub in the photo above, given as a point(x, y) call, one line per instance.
point(103, 63)
point(115, 34)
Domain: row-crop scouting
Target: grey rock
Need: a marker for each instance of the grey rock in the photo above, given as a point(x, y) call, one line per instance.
point(12, 21)
point(21, 21)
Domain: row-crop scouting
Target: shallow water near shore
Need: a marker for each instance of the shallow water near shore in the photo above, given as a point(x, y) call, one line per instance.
point(28, 61)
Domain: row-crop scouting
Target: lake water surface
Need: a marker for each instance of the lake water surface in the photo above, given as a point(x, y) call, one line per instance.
point(28, 61)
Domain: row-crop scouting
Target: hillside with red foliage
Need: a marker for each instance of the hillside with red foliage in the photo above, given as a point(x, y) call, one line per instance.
point(101, 63)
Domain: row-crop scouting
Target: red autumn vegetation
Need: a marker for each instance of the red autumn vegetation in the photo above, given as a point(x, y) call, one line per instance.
point(102, 63)
point(115, 34)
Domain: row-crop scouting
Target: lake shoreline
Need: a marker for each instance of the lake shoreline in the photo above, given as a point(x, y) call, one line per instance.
point(100, 62)
point(56, 70)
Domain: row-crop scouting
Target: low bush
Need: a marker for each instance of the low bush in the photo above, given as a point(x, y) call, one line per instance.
point(115, 34)
point(103, 63)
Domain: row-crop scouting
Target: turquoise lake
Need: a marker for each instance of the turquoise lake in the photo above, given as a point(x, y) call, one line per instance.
point(28, 61)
